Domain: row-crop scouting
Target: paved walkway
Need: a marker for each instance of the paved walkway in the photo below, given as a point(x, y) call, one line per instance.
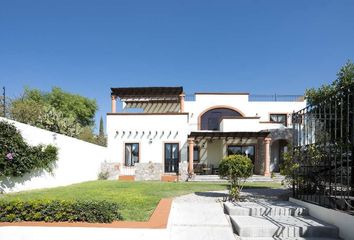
point(193, 216)
point(200, 215)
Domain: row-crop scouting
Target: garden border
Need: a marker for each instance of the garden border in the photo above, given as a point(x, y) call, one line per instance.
point(158, 219)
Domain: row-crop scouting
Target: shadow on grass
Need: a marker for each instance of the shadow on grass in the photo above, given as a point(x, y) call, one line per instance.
point(260, 187)
point(251, 191)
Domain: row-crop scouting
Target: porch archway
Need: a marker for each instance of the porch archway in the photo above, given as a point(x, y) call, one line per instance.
point(278, 147)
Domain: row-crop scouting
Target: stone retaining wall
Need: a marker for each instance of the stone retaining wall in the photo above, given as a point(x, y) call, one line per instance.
point(183, 170)
point(148, 171)
point(111, 170)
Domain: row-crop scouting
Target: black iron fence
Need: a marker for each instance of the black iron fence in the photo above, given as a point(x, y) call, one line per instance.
point(323, 149)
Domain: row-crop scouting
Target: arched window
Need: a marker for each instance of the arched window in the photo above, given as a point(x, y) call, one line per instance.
point(210, 120)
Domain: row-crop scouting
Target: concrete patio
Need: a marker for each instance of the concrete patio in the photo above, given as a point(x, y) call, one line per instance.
point(199, 216)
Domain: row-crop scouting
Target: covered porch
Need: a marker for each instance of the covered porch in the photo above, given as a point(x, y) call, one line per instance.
point(207, 148)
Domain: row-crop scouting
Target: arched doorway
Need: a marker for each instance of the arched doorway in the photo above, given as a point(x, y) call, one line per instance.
point(210, 119)
point(277, 150)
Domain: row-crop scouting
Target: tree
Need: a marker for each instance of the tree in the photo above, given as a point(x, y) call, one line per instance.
point(87, 135)
point(73, 105)
point(236, 168)
point(57, 111)
point(55, 121)
point(101, 138)
point(101, 131)
point(345, 77)
point(28, 107)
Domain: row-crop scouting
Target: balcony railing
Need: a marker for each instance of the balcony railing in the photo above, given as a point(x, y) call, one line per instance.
point(263, 98)
point(275, 98)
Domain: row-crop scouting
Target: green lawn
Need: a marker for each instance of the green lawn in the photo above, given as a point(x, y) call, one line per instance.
point(137, 199)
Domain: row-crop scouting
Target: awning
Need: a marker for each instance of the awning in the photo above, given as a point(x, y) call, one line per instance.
point(132, 92)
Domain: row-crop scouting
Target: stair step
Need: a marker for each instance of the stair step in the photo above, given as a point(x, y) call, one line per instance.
point(265, 208)
point(254, 178)
point(283, 227)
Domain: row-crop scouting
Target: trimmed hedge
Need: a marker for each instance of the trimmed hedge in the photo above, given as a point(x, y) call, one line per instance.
point(59, 211)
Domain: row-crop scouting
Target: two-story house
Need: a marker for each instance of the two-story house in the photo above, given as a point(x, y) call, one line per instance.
point(158, 132)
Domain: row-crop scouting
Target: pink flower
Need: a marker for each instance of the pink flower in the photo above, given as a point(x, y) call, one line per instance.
point(10, 156)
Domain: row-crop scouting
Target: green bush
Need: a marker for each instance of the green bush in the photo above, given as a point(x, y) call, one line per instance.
point(18, 158)
point(310, 155)
point(59, 211)
point(103, 175)
point(236, 168)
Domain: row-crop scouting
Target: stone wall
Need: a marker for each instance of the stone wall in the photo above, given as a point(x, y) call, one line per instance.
point(183, 170)
point(148, 171)
point(111, 170)
point(277, 134)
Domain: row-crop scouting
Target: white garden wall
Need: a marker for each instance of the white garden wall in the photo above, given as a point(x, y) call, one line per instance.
point(78, 161)
point(342, 220)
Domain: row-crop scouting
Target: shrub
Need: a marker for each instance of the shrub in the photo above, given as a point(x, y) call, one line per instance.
point(236, 168)
point(103, 175)
point(18, 158)
point(310, 155)
point(59, 211)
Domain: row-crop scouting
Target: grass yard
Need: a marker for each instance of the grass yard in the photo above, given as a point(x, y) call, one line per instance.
point(137, 199)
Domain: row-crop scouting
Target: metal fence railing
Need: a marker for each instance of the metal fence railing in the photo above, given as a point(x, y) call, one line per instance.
point(263, 98)
point(275, 98)
point(323, 148)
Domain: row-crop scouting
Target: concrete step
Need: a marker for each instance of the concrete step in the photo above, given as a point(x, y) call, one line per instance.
point(208, 178)
point(254, 178)
point(265, 208)
point(282, 227)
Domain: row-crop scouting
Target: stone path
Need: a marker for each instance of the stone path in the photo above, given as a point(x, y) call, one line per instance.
point(255, 178)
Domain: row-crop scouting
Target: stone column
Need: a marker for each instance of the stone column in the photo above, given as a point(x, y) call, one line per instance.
point(181, 102)
point(267, 156)
point(114, 108)
point(190, 154)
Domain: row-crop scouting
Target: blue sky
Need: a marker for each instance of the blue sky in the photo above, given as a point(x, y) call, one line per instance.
point(256, 46)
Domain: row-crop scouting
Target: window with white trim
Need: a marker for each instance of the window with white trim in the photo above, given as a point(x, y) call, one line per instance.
point(279, 118)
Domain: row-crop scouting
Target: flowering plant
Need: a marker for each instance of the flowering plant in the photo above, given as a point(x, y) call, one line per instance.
point(10, 156)
point(18, 158)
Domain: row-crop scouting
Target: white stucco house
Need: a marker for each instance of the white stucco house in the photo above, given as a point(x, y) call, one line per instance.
point(157, 133)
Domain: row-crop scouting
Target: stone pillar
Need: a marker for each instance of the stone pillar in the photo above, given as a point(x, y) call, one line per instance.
point(114, 108)
point(181, 102)
point(267, 156)
point(190, 154)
